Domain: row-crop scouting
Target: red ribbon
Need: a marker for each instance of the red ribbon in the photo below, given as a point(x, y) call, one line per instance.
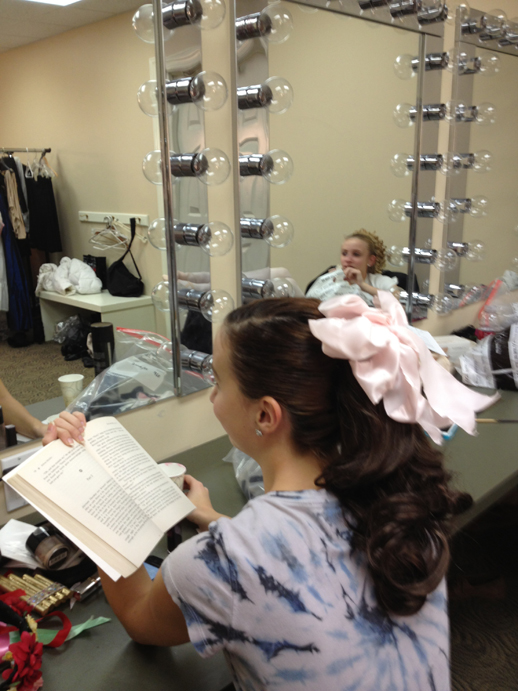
point(61, 636)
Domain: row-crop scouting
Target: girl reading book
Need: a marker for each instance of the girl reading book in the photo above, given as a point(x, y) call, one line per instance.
point(334, 578)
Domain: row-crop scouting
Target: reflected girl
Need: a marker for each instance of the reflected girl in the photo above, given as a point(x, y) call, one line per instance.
point(360, 272)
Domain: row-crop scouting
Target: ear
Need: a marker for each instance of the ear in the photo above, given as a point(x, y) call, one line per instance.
point(270, 415)
point(371, 260)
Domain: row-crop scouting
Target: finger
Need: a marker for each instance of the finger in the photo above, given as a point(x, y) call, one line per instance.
point(50, 435)
point(67, 432)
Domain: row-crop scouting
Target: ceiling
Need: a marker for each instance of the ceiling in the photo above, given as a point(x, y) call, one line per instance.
point(23, 22)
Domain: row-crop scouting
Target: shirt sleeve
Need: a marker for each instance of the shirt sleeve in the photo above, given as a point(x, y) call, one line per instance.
point(382, 282)
point(202, 580)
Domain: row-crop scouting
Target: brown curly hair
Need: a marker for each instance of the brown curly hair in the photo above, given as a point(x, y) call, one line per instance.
point(389, 479)
point(376, 247)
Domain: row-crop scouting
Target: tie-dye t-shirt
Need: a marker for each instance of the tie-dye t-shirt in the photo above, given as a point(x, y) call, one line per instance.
point(278, 589)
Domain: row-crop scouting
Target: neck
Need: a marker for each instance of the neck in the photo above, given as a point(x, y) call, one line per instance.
point(287, 470)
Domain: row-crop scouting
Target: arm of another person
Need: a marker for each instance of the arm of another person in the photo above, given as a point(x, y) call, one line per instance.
point(16, 414)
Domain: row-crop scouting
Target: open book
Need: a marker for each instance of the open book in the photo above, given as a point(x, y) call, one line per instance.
point(108, 496)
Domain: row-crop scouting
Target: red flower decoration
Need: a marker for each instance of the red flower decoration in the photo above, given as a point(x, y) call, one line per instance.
point(27, 658)
point(13, 599)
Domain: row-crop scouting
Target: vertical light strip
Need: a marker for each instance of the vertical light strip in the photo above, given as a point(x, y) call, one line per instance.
point(168, 196)
point(412, 233)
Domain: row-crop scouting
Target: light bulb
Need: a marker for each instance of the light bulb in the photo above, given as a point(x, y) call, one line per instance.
point(208, 91)
point(396, 256)
point(216, 238)
point(482, 161)
point(479, 206)
point(215, 305)
point(152, 167)
point(428, 244)
point(402, 115)
point(164, 355)
point(446, 260)
point(282, 288)
point(457, 60)
point(278, 22)
point(147, 98)
point(156, 234)
point(403, 66)
point(451, 164)
point(281, 95)
point(476, 251)
point(399, 165)
point(277, 167)
point(160, 296)
point(442, 303)
point(207, 371)
point(455, 108)
point(463, 11)
point(280, 231)
point(486, 114)
point(447, 212)
point(211, 166)
point(425, 286)
point(494, 21)
point(489, 65)
point(213, 13)
point(397, 210)
point(142, 22)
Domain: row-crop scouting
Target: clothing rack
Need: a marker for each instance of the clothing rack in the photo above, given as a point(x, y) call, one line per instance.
point(15, 150)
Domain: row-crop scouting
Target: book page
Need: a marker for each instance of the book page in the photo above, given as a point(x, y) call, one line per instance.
point(73, 480)
point(136, 472)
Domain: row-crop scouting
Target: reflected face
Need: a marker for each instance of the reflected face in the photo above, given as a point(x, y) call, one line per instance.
point(356, 255)
point(232, 408)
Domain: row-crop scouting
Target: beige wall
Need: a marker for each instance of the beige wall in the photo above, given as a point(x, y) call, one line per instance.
point(76, 93)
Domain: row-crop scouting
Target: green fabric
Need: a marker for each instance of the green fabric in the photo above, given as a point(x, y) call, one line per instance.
point(46, 636)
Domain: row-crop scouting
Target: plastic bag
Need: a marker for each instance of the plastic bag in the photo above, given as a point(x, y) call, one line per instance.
point(493, 363)
point(248, 473)
point(72, 334)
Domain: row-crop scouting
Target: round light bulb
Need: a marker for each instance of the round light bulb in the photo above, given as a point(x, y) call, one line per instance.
point(215, 305)
point(463, 10)
point(446, 260)
point(453, 108)
point(397, 211)
point(277, 167)
point(147, 98)
point(279, 22)
point(207, 371)
point(403, 66)
point(213, 13)
point(152, 167)
point(476, 251)
point(156, 234)
point(211, 166)
point(496, 19)
point(282, 288)
point(164, 355)
point(486, 114)
point(489, 65)
point(280, 231)
point(396, 257)
point(428, 244)
point(479, 206)
point(209, 91)
point(442, 303)
point(447, 213)
point(282, 95)
point(216, 239)
point(457, 60)
point(451, 164)
point(160, 296)
point(482, 161)
point(425, 286)
point(402, 115)
point(143, 24)
point(398, 165)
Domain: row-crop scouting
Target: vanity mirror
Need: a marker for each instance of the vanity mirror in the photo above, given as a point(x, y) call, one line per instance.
point(75, 92)
point(486, 72)
point(352, 132)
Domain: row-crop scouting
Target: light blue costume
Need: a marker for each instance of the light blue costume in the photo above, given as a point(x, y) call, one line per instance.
point(278, 589)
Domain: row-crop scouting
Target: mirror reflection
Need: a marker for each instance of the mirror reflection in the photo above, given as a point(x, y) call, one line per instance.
point(340, 134)
point(75, 93)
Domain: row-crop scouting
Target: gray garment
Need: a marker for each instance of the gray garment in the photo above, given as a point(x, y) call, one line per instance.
point(21, 173)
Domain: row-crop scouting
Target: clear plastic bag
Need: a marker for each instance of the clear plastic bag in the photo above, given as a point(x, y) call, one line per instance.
point(248, 473)
point(62, 329)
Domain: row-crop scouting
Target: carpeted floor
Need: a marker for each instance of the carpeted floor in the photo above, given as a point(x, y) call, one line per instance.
point(31, 374)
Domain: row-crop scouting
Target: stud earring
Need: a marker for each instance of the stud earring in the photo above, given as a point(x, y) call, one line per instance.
point(258, 432)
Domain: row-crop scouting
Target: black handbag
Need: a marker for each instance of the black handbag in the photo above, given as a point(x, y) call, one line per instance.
point(121, 282)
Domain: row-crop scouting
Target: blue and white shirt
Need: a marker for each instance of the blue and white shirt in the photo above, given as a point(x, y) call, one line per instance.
point(279, 590)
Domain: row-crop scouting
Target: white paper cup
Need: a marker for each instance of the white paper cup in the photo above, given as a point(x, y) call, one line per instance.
point(71, 386)
point(175, 472)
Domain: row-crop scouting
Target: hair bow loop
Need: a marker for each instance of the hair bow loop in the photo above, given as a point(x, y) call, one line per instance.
point(392, 363)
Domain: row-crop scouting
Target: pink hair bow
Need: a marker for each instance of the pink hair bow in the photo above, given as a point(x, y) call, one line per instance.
point(392, 363)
